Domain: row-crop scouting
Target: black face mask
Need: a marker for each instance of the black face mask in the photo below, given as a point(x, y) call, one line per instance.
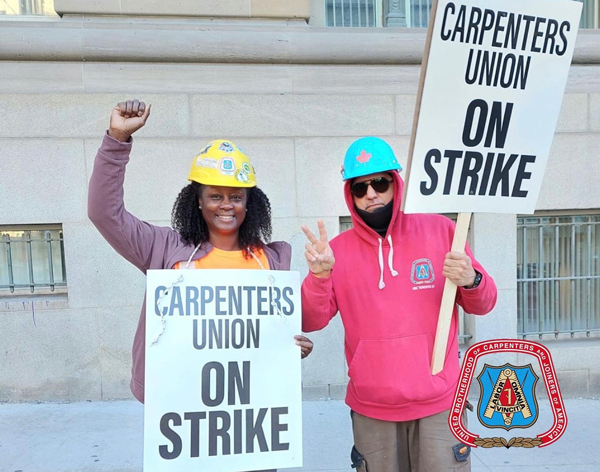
point(378, 220)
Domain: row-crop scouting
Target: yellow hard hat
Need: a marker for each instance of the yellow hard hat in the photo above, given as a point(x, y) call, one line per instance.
point(221, 163)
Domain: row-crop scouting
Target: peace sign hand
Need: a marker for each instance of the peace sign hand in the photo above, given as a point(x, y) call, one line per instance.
point(319, 255)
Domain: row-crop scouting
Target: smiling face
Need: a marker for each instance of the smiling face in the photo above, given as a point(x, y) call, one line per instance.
point(373, 200)
point(223, 209)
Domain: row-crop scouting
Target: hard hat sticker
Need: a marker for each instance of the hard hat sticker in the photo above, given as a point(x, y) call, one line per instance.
point(241, 176)
point(364, 157)
point(227, 147)
point(227, 166)
point(207, 162)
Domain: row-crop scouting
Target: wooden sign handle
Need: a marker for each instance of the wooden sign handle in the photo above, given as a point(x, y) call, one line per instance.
point(445, 318)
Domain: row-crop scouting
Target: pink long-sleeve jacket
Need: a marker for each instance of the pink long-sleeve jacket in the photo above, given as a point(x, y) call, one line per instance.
point(388, 292)
point(144, 245)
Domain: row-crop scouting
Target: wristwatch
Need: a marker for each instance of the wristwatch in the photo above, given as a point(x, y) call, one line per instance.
point(477, 281)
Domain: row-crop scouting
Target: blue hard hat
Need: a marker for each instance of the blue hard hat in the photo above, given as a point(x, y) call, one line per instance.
point(369, 155)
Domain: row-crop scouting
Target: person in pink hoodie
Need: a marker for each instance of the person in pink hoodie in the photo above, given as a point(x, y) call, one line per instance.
point(385, 276)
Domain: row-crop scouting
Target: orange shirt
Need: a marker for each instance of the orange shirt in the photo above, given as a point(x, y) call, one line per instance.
point(219, 259)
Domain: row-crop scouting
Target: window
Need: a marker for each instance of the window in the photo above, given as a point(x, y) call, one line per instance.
point(27, 7)
point(410, 13)
point(418, 13)
point(357, 13)
point(346, 224)
point(558, 275)
point(32, 260)
point(589, 14)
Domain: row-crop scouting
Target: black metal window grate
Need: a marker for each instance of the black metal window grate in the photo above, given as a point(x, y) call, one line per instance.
point(352, 13)
point(558, 275)
point(32, 259)
point(415, 13)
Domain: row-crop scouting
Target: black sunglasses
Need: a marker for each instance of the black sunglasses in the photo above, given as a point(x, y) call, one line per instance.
point(379, 184)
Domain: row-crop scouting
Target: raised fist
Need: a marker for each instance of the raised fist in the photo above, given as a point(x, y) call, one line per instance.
point(126, 118)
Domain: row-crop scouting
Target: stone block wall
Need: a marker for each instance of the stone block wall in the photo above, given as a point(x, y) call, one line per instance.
point(294, 115)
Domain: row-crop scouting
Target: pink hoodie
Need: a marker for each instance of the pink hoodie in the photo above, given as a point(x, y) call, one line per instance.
point(388, 292)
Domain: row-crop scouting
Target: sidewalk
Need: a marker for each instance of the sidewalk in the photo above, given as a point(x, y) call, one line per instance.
point(107, 436)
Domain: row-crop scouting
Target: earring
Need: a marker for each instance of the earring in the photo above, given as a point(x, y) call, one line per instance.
point(199, 206)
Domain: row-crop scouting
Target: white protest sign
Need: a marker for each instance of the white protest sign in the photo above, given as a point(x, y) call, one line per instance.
point(494, 82)
point(223, 382)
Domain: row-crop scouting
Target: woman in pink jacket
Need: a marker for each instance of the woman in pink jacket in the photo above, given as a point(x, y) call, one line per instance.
point(220, 220)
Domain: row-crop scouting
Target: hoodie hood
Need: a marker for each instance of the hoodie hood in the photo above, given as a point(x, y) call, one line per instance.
point(397, 229)
point(364, 231)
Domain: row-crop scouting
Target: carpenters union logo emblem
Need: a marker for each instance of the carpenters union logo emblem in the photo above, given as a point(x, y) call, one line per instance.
point(422, 272)
point(507, 398)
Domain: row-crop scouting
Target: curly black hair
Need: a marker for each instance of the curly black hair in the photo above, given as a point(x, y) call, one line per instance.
point(255, 231)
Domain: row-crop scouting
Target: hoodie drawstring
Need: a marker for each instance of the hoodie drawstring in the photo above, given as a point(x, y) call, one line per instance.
point(391, 257)
point(390, 261)
point(381, 283)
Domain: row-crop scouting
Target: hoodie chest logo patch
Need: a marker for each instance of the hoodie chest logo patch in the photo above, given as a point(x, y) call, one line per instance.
point(422, 274)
